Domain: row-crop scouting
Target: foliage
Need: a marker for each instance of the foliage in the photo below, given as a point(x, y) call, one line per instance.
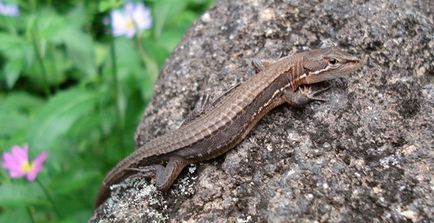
point(61, 92)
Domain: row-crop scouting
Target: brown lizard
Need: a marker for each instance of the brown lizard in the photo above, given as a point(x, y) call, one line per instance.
point(227, 121)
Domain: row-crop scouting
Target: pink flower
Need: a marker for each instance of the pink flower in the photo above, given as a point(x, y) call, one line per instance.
point(18, 165)
point(132, 18)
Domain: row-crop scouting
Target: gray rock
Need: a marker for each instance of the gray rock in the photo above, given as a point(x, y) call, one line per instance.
point(366, 155)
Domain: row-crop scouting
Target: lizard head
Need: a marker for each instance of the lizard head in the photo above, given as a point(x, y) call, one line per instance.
point(326, 64)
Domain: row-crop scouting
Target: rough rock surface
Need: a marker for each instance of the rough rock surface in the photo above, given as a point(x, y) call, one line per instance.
point(366, 155)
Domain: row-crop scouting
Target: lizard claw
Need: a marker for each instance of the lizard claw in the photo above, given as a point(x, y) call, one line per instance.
point(307, 91)
point(321, 90)
point(146, 171)
point(202, 103)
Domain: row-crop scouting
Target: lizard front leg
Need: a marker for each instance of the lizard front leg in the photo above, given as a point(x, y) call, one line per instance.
point(302, 96)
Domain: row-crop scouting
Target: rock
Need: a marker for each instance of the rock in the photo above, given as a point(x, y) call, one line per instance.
point(366, 155)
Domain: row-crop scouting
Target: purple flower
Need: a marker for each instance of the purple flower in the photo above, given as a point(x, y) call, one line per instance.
point(18, 165)
point(9, 10)
point(132, 18)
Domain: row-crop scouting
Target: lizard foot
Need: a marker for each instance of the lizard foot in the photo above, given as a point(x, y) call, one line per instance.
point(308, 93)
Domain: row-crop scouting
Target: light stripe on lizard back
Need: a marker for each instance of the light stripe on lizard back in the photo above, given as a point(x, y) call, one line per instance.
point(210, 122)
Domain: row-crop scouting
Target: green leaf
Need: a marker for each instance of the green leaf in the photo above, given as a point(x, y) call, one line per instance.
point(80, 45)
point(81, 51)
point(127, 58)
point(19, 214)
point(12, 71)
point(11, 48)
point(77, 16)
point(20, 101)
point(47, 25)
point(96, 125)
point(75, 181)
point(14, 112)
point(162, 10)
point(10, 42)
point(106, 5)
point(101, 53)
point(11, 123)
point(58, 115)
point(19, 195)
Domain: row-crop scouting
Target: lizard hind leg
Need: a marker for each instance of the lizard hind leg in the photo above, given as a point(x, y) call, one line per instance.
point(198, 110)
point(167, 175)
point(204, 104)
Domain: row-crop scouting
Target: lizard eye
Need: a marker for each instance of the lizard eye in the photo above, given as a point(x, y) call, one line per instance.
point(333, 61)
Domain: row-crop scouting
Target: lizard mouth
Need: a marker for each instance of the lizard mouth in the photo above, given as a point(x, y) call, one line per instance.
point(355, 63)
point(352, 65)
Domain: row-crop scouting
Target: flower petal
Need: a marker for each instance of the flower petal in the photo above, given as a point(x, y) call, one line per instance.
point(40, 158)
point(16, 173)
point(31, 176)
point(9, 10)
point(37, 166)
point(142, 17)
point(116, 16)
point(10, 163)
point(21, 154)
point(9, 159)
point(130, 33)
point(119, 23)
point(129, 8)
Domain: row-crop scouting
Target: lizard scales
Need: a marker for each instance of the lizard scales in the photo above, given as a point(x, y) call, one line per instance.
point(226, 124)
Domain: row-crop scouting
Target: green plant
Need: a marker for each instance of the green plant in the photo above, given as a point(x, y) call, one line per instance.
point(69, 87)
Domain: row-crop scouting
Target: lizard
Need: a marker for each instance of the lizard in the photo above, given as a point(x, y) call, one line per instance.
point(225, 123)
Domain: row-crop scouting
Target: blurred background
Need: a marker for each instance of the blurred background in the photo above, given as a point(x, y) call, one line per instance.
point(75, 78)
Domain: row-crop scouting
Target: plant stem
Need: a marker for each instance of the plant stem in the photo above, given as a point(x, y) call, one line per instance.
point(33, 5)
point(40, 60)
point(32, 218)
point(50, 199)
point(115, 76)
point(150, 64)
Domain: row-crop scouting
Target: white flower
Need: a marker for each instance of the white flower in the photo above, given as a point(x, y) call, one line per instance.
point(132, 18)
point(9, 10)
